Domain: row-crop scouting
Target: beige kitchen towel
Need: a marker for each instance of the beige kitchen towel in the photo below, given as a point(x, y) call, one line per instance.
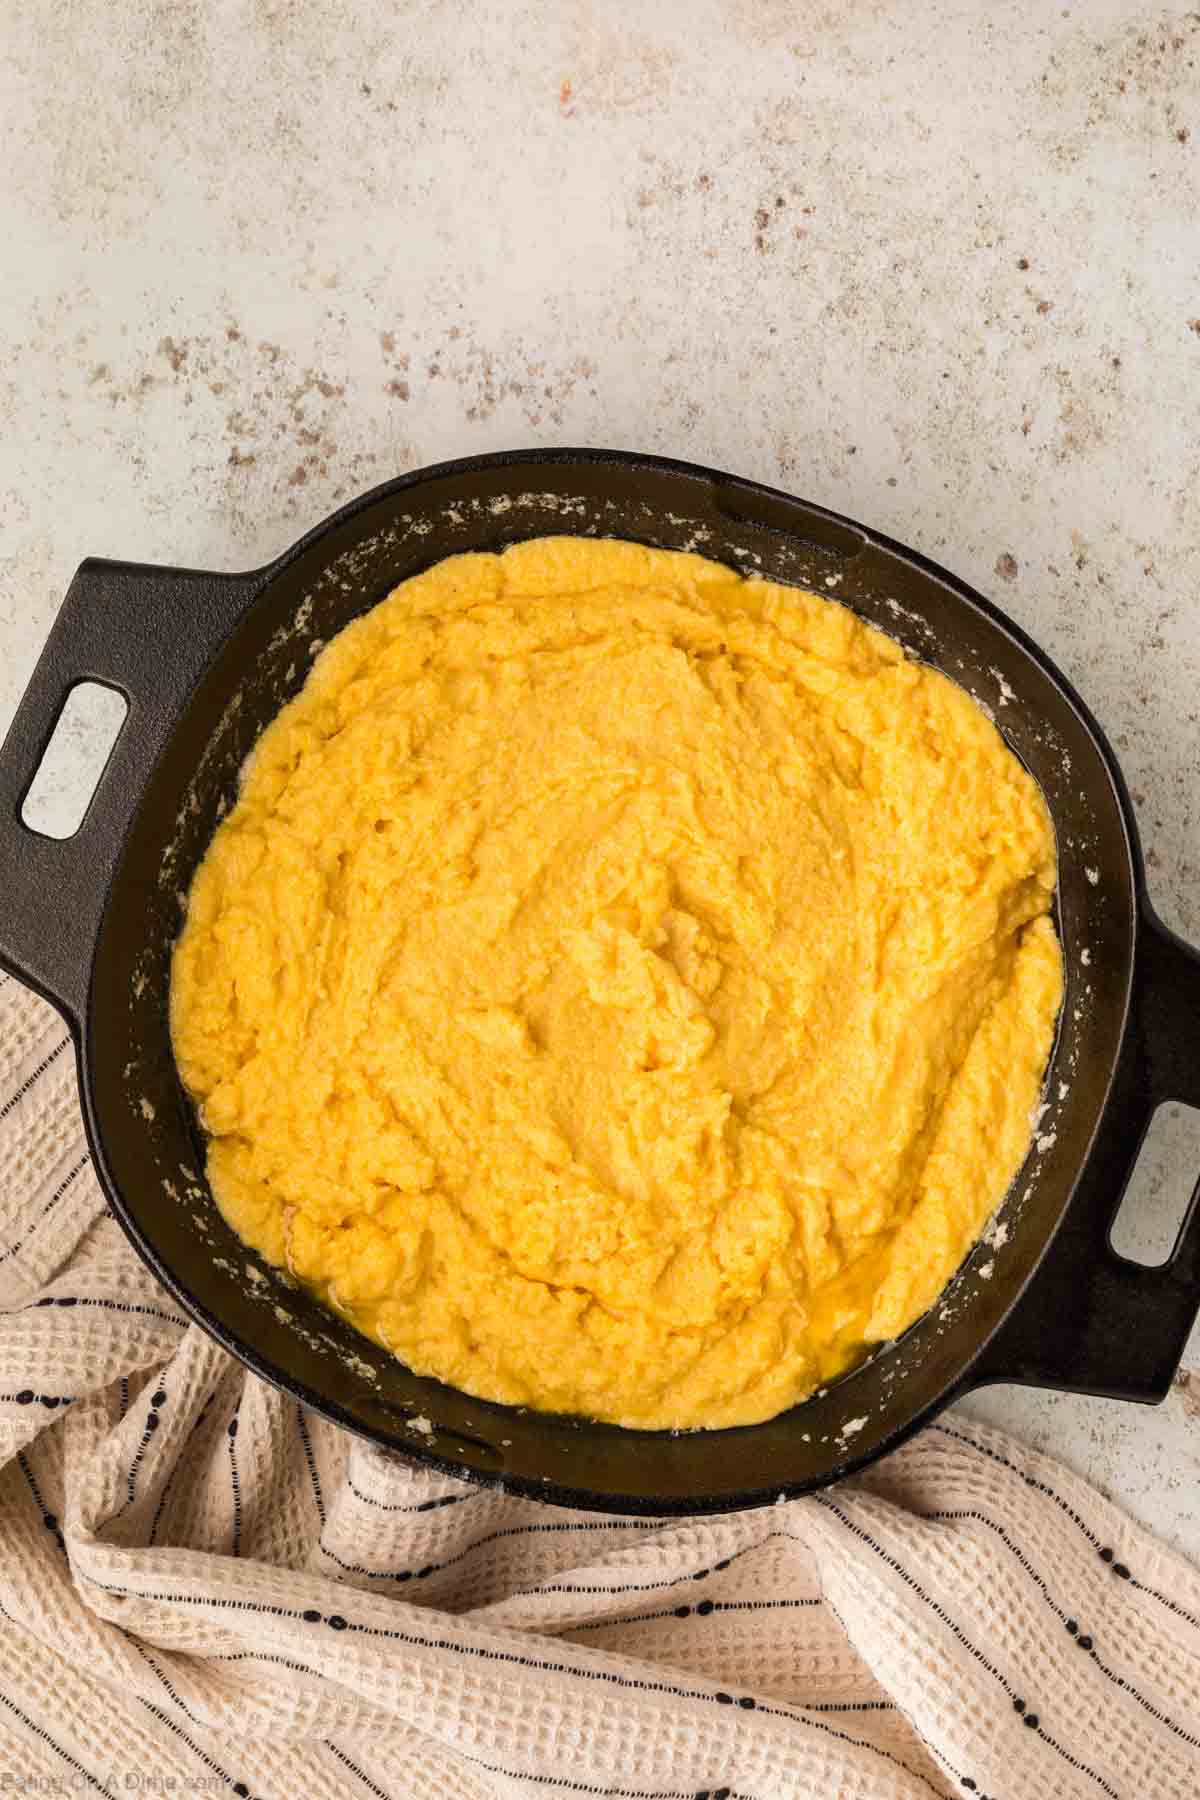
point(206, 1589)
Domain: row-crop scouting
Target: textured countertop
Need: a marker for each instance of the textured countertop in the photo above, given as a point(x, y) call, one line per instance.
point(933, 265)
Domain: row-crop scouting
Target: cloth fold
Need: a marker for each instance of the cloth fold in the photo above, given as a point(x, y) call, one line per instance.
point(206, 1589)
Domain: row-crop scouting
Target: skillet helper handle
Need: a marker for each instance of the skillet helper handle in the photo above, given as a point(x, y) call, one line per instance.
point(1092, 1321)
point(149, 633)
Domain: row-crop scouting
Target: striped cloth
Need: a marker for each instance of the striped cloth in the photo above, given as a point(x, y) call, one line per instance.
point(204, 1589)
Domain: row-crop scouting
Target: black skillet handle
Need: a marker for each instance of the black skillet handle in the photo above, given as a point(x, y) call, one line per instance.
point(1092, 1321)
point(149, 633)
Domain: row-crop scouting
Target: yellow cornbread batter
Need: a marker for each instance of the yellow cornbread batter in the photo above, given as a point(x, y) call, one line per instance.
point(621, 987)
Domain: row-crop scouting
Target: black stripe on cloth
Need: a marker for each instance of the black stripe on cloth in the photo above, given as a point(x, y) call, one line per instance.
point(177, 1698)
point(100, 1786)
point(416, 1506)
point(231, 1431)
point(31, 1478)
point(271, 1656)
point(49, 1520)
point(117, 1306)
point(1032, 1481)
point(1060, 1612)
point(681, 1612)
point(851, 1525)
point(822, 1706)
point(27, 1397)
point(506, 1531)
point(485, 1653)
point(297, 1668)
point(1043, 1487)
point(238, 1787)
point(32, 1078)
point(585, 1787)
point(660, 1587)
point(937, 1755)
point(254, 1606)
point(150, 1426)
point(1165, 1600)
point(311, 1460)
point(177, 1465)
point(356, 1771)
point(55, 1197)
point(162, 1499)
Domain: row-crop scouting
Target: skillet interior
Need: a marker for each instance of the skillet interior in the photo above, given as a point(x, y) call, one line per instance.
point(155, 1163)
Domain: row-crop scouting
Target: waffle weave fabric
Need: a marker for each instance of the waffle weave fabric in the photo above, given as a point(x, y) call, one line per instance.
point(205, 1589)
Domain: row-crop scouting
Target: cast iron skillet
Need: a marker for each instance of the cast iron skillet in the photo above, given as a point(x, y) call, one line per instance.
point(206, 660)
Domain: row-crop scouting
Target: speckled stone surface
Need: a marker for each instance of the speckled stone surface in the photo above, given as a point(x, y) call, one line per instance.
point(934, 265)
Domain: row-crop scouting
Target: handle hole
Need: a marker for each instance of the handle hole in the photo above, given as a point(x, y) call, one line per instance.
point(1155, 1204)
point(74, 760)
